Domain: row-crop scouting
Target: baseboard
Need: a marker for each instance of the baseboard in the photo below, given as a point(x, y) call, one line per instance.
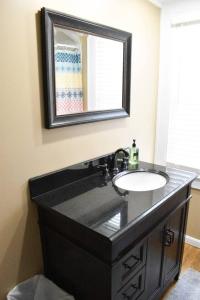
point(192, 241)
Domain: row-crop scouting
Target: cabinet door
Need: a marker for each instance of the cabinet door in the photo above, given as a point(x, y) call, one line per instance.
point(173, 240)
point(154, 263)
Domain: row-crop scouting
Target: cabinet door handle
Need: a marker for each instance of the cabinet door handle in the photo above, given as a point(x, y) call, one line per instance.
point(168, 237)
point(129, 293)
point(131, 262)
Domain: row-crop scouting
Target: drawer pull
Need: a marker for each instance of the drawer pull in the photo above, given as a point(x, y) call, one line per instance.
point(129, 293)
point(131, 262)
point(168, 238)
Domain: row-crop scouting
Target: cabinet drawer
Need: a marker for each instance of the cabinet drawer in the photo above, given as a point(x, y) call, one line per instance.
point(134, 288)
point(129, 265)
point(133, 260)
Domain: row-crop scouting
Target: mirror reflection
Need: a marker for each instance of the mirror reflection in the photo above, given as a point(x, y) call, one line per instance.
point(88, 72)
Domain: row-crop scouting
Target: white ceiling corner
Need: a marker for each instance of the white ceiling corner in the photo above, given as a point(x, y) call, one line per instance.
point(157, 2)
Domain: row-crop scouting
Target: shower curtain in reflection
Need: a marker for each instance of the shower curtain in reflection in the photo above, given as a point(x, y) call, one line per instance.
point(69, 90)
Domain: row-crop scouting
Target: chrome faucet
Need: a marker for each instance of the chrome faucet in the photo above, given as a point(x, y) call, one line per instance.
point(124, 160)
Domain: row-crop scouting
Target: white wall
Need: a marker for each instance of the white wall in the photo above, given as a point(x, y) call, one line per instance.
point(171, 12)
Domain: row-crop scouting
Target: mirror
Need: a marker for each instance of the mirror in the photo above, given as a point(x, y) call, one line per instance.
point(86, 70)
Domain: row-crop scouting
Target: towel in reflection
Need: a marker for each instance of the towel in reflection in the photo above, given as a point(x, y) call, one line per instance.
point(69, 91)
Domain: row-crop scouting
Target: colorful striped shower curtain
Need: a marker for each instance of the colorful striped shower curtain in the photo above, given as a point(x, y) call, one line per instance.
point(69, 90)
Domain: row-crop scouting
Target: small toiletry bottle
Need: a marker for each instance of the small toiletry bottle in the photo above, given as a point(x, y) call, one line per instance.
point(134, 155)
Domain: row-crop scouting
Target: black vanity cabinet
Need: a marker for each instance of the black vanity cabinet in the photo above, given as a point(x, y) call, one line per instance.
point(141, 271)
point(101, 244)
point(164, 255)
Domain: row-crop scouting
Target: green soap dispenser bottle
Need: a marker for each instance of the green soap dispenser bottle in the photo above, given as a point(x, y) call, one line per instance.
point(134, 155)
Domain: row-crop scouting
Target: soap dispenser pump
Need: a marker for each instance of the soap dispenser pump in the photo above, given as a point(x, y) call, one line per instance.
point(134, 155)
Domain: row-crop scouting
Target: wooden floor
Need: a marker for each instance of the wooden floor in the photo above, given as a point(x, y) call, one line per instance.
point(191, 259)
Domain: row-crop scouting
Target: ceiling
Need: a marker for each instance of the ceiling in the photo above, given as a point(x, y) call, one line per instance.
point(159, 2)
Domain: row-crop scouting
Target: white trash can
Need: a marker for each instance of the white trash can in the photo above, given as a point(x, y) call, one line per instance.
point(38, 288)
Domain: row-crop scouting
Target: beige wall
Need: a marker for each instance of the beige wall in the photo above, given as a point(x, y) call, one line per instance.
point(193, 226)
point(27, 149)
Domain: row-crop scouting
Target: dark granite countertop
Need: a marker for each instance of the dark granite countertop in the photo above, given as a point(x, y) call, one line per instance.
point(83, 194)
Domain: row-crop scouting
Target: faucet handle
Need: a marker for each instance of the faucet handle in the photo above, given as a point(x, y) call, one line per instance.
point(102, 166)
point(105, 169)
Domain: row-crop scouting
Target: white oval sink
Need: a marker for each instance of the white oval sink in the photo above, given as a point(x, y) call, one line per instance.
point(139, 181)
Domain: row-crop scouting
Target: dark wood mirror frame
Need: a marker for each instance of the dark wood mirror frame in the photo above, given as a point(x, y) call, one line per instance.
point(50, 19)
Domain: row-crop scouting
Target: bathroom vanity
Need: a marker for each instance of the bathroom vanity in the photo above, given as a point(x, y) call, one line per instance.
point(101, 242)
